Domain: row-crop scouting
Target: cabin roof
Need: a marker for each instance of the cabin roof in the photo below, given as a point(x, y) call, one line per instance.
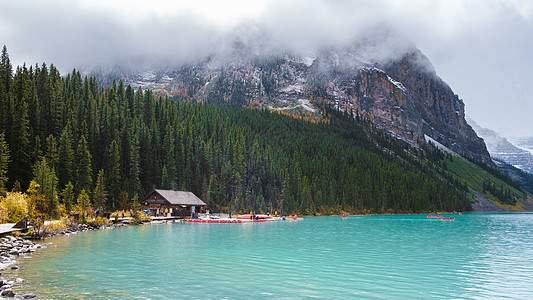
point(176, 198)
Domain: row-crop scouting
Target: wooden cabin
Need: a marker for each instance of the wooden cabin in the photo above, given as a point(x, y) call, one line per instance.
point(173, 203)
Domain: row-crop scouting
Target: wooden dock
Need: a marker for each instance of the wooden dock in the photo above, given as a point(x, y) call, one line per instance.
point(171, 218)
point(8, 227)
point(126, 220)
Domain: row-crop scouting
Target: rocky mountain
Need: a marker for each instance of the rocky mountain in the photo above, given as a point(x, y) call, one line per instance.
point(524, 143)
point(399, 92)
point(502, 149)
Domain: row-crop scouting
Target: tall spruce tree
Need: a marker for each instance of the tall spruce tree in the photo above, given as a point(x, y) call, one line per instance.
point(113, 173)
point(56, 106)
point(134, 163)
point(65, 164)
point(100, 193)
point(45, 177)
point(67, 196)
point(213, 192)
point(19, 130)
point(84, 169)
point(6, 82)
point(4, 163)
point(51, 154)
point(83, 205)
point(165, 180)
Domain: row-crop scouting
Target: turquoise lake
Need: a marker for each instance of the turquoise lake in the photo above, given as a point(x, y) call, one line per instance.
point(477, 256)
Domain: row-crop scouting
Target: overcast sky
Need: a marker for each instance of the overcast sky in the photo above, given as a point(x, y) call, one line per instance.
point(482, 48)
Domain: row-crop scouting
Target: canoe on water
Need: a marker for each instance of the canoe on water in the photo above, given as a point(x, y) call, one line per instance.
point(213, 221)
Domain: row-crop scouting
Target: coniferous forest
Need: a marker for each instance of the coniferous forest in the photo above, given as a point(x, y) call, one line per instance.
point(61, 137)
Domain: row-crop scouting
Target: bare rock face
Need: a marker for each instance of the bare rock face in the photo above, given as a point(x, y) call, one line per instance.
point(441, 111)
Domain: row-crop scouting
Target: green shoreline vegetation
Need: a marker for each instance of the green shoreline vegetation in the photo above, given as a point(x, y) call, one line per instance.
point(74, 146)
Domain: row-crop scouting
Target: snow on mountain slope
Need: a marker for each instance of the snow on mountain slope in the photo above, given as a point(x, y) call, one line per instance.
point(524, 143)
point(520, 156)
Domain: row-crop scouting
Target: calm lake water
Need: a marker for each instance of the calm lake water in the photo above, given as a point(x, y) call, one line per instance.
point(478, 256)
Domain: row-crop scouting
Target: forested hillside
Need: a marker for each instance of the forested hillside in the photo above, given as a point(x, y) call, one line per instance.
point(69, 135)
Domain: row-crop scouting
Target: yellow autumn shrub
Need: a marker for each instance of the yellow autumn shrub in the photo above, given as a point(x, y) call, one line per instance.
point(13, 207)
point(54, 227)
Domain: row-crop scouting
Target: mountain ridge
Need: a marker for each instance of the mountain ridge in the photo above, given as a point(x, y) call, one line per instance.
point(401, 94)
point(502, 149)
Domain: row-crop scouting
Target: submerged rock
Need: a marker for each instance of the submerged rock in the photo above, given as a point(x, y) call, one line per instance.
point(8, 293)
point(28, 296)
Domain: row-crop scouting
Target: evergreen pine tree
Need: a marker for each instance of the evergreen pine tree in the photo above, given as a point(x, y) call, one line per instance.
point(6, 82)
point(286, 196)
point(45, 177)
point(56, 106)
point(16, 187)
point(135, 205)
point(4, 163)
point(134, 163)
point(37, 153)
point(67, 196)
point(213, 191)
point(100, 193)
point(65, 164)
point(84, 170)
point(19, 141)
point(165, 180)
point(113, 173)
point(84, 204)
point(51, 151)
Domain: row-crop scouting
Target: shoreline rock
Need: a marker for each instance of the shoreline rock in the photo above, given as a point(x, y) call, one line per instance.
point(10, 249)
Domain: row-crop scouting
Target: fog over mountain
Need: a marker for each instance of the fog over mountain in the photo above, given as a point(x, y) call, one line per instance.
point(480, 48)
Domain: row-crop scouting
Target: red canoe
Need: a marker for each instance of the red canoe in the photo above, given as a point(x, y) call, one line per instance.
point(248, 217)
point(213, 221)
point(435, 217)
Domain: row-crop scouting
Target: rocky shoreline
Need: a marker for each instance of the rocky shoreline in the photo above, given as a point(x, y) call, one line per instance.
point(10, 249)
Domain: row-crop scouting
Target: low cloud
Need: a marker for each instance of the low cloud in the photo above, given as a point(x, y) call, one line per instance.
point(84, 33)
